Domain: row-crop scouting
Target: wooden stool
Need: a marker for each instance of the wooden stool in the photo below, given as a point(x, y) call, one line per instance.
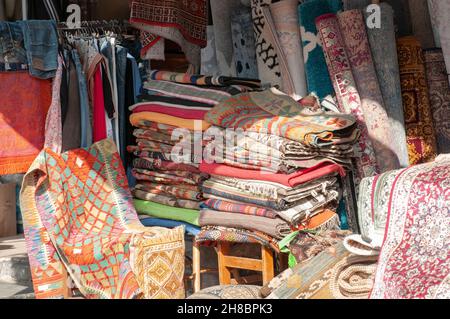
point(229, 266)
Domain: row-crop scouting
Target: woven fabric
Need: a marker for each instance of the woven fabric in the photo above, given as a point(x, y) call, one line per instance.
point(24, 106)
point(228, 293)
point(166, 212)
point(439, 90)
point(79, 218)
point(414, 262)
point(384, 51)
point(352, 25)
point(317, 75)
point(418, 117)
point(344, 83)
point(238, 208)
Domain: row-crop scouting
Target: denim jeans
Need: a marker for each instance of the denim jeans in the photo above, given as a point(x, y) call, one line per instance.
point(41, 45)
point(86, 129)
point(12, 48)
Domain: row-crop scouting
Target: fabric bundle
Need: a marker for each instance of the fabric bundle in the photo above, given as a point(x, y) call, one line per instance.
point(418, 117)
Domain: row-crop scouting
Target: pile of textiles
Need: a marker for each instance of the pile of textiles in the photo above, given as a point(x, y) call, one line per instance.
point(275, 165)
point(169, 144)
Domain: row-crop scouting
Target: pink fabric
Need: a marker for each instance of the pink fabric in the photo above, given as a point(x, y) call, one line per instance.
point(292, 180)
point(99, 127)
point(173, 111)
point(53, 124)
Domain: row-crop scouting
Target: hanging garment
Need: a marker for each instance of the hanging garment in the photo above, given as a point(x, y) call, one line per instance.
point(221, 17)
point(24, 105)
point(349, 100)
point(285, 18)
point(79, 220)
point(421, 23)
point(244, 45)
point(414, 262)
point(183, 22)
point(353, 31)
point(418, 117)
point(208, 55)
point(441, 15)
point(384, 51)
point(266, 54)
point(99, 118)
point(317, 75)
point(439, 90)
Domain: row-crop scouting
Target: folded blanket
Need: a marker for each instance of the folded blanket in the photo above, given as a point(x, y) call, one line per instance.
point(176, 111)
point(237, 208)
point(142, 136)
point(140, 119)
point(167, 223)
point(188, 177)
point(172, 101)
point(189, 192)
point(161, 165)
point(353, 277)
point(274, 113)
point(276, 228)
point(166, 199)
point(154, 177)
point(292, 180)
point(166, 212)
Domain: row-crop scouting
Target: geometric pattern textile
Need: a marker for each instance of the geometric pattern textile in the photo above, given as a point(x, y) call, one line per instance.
point(79, 218)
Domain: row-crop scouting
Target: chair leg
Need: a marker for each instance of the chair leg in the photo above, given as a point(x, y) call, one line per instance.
point(196, 268)
point(268, 265)
point(224, 272)
point(67, 292)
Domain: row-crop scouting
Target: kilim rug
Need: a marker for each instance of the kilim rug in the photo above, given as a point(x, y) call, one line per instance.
point(418, 117)
point(415, 258)
point(285, 18)
point(345, 86)
point(353, 30)
point(79, 219)
point(183, 22)
point(440, 12)
point(266, 54)
point(439, 90)
point(23, 109)
point(317, 75)
point(384, 52)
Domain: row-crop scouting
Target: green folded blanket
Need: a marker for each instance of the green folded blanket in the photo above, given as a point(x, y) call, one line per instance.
point(167, 212)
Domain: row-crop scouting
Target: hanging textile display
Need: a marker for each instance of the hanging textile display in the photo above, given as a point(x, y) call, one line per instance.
point(441, 15)
point(285, 18)
point(208, 55)
point(418, 117)
point(24, 105)
point(153, 46)
point(354, 34)
point(266, 54)
point(345, 86)
point(79, 218)
point(244, 43)
point(439, 90)
point(317, 75)
point(414, 261)
point(384, 51)
point(221, 15)
point(421, 23)
point(183, 22)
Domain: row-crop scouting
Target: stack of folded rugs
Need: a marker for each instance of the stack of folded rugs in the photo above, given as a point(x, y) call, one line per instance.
point(283, 175)
point(169, 127)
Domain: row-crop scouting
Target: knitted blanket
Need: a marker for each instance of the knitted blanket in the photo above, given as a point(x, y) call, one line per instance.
point(79, 219)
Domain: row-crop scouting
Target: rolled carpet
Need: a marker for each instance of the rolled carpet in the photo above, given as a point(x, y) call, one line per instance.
point(276, 228)
point(353, 277)
point(166, 212)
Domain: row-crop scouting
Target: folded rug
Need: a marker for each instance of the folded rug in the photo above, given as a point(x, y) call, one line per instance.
point(182, 22)
point(384, 51)
point(79, 220)
point(347, 94)
point(190, 192)
point(138, 119)
point(291, 180)
point(353, 277)
point(317, 74)
point(166, 212)
point(418, 117)
point(244, 46)
point(353, 30)
point(24, 106)
point(172, 101)
point(439, 90)
point(272, 112)
point(415, 262)
point(166, 199)
point(237, 208)
point(188, 113)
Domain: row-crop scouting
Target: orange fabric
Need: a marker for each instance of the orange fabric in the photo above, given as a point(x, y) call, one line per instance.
point(138, 118)
point(24, 105)
point(318, 220)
